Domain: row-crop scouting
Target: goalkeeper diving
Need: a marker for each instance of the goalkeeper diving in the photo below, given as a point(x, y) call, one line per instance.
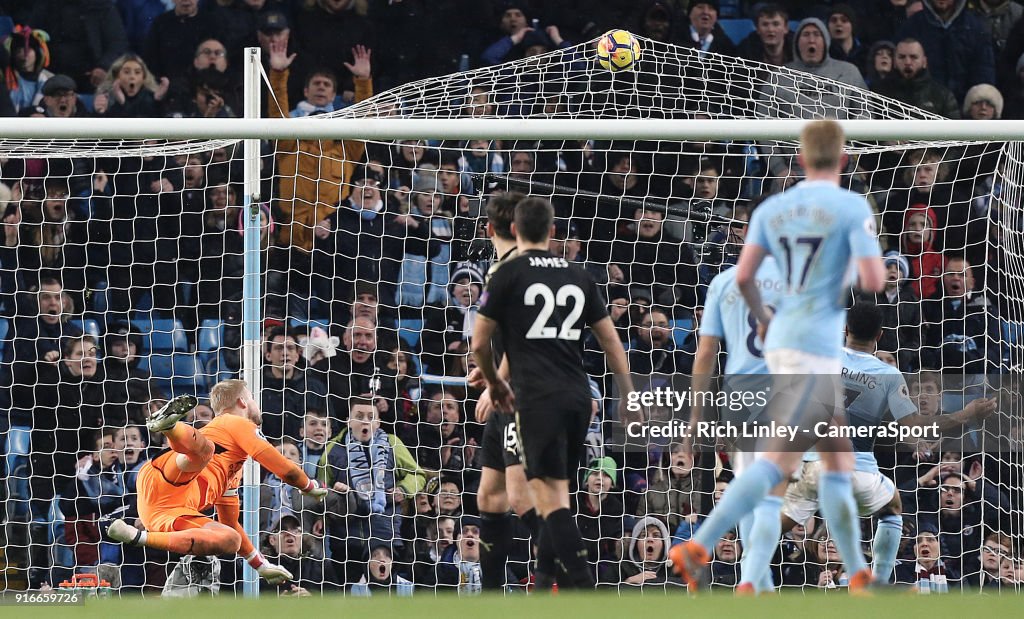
point(202, 469)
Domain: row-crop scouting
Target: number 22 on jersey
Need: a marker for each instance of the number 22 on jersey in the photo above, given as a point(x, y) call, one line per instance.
point(569, 293)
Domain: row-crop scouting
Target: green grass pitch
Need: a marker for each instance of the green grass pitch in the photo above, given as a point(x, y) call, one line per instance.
point(903, 605)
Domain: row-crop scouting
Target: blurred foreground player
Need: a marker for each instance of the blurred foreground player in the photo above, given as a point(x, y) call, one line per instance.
point(203, 469)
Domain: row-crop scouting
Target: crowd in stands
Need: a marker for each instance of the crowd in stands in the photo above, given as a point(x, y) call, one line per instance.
point(374, 265)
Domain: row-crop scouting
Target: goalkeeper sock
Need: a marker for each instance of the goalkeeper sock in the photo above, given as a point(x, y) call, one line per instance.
point(886, 545)
point(835, 496)
point(568, 543)
point(186, 440)
point(741, 497)
point(760, 543)
point(495, 534)
point(194, 541)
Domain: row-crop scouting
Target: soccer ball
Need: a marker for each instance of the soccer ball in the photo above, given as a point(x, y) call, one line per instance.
point(618, 50)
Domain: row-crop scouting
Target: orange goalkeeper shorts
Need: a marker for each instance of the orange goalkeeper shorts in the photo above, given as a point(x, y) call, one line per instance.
point(166, 507)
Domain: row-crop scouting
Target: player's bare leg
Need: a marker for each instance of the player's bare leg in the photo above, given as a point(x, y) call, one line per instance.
point(212, 538)
point(835, 495)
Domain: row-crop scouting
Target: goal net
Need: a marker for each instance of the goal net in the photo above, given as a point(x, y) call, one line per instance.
point(123, 285)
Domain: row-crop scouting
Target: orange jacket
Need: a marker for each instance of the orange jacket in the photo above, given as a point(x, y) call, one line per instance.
point(314, 175)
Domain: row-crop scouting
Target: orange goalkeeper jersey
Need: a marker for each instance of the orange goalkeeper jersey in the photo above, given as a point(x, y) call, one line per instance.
point(235, 438)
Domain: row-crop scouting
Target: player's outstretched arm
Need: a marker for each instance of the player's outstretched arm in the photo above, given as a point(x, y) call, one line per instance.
point(604, 331)
point(976, 410)
point(271, 459)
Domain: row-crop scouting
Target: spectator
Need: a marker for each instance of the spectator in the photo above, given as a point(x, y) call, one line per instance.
point(85, 38)
point(649, 257)
point(647, 552)
point(130, 90)
point(911, 83)
point(209, 67)
point(528, 41)
point(983, 102)
point(771, 41)
point(901, 313)
point(670, 492)
point(316, 430)
point(287, 390)
point(725, 562)
point(459, 564)
point(655, 351)
point(315, 176)
point(600, 518)
point(444, 327)
point(566, 243)
point(98, 492)
point(916, 245)
point(238, 21)
point(955, 42)
point(372, 472)
point(879, 65)
point(175, 35)
point(787, 98)
point(125, 385)
point(356, 368)
point(198, 416)
point(320, 90)
point(999, 18)
point(439, 536)
point(887, 358)
point(954, 510)
point(440, 437)
point(277, 498)
point(842, 26)
point(657, 21)
point(422, 236)
point(928, 563)
point(30, 55)
point(984, 569)
point(134, 441)
point(959, 324)
point(60, 100)
point(514, 27)
point(331, 30)
point(706, 34)
point(381, 578)
point(287, 545)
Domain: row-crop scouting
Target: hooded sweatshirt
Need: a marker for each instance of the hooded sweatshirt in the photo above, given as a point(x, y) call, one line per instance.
point(636, 564)
point(789, 95)
point(925, 263)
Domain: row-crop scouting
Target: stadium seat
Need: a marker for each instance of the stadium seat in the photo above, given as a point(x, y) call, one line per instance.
point(409, 329)
point(1012, 338)
point(178, 372)
point(209, 340)
point(3, 333)
point(162, 335)
point(16, 459)
point(737, 29)
point(681, 329)
point(88, 326)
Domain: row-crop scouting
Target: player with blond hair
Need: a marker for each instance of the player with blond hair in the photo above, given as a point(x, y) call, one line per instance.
point(203, 469)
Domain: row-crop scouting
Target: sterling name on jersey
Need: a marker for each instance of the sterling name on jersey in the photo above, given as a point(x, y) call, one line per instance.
point(727, 317)
point(815, 230)
point(542, 304)
point(873, 392)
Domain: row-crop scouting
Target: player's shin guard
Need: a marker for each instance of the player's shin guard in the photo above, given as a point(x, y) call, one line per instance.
point(760, 543)
point(835, 494)
point(186, 440)
point(741, 497)
point(568, 545)
point(885, 546)
point(495, 535)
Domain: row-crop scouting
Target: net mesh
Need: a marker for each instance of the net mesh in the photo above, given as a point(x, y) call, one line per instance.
point(373, 253)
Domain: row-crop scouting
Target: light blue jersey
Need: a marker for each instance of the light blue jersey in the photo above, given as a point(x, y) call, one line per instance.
point(727, 317)
point(873, 392)
point(815, 230)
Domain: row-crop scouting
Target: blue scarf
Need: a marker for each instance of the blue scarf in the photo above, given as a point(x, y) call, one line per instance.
point(367, 469)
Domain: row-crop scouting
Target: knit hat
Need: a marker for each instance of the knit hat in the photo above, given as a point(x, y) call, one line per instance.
point(604, 465)
point(470, 270)
point(984, 92)
point(712, 3)
point(898, 258)
point(847, 10)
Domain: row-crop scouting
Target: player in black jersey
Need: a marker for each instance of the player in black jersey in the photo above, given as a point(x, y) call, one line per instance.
point(502, 480)
point(542, 304)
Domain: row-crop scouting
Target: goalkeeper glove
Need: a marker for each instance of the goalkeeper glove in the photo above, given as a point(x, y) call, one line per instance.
point(273, 574)
point(314, 489)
